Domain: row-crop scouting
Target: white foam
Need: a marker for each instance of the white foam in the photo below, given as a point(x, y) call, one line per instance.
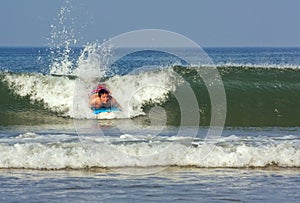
point(284, 155)
point(262, 65)
point(55, 92)
point(69, 97)
point(58, 152)
point(249, 65)
point(133, 91)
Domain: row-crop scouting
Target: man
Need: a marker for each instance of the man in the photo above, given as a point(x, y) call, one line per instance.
point(103, 99)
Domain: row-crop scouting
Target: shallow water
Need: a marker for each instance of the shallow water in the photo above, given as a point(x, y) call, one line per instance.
point(172, 184)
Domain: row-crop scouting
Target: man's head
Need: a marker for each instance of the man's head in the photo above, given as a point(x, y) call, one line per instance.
point(103, 95)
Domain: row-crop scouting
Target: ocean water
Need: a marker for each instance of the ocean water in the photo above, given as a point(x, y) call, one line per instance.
point(161, 147)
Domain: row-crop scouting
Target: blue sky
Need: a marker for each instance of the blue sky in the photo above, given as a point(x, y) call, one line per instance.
point(207, 22)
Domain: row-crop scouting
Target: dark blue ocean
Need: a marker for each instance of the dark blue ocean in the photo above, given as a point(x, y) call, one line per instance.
point(168, 143)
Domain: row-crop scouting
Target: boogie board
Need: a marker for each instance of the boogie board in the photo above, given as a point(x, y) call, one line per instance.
point(106, 110)
point(107, 113)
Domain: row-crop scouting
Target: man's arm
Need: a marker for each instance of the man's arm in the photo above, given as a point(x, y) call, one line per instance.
point(94, 101)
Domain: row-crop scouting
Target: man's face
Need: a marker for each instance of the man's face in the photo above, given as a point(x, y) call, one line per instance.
point(104, 98)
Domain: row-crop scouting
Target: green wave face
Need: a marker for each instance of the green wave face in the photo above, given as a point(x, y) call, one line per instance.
point(255, 97)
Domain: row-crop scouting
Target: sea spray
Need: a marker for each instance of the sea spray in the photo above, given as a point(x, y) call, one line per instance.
point(61, 41)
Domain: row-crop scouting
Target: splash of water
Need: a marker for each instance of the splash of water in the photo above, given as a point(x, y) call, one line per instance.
point(61, 40)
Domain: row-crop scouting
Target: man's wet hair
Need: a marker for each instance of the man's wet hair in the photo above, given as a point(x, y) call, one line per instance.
point(102, 91)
